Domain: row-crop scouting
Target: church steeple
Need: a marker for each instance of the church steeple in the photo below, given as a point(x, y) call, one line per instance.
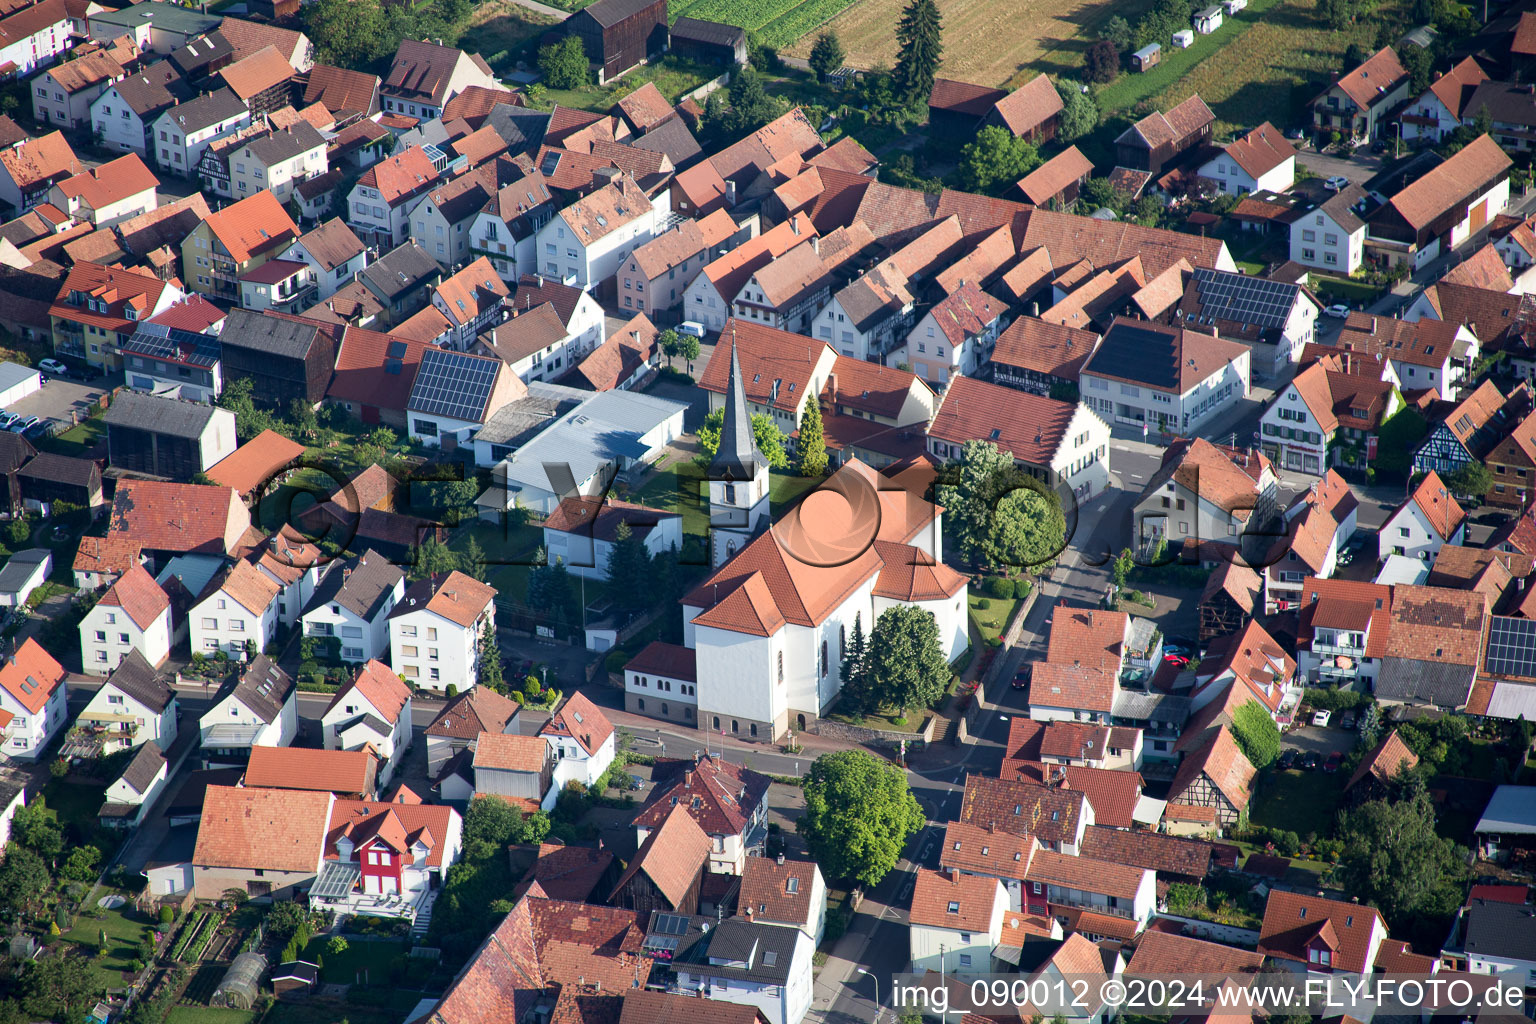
point(737, 458)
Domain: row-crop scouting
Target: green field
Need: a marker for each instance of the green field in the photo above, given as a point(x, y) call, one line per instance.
point(776, 22)
point(208, 1015)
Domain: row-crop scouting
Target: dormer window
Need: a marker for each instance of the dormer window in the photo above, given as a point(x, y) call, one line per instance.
point(792, 885)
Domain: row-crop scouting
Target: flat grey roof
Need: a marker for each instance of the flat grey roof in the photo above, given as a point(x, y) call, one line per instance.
point(1510, 811)
point(12, 374)
point(606, 427)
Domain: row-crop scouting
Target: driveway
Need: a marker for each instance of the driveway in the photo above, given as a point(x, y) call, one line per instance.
point(1323, 741)
point(66, 402)
point(1327, 165)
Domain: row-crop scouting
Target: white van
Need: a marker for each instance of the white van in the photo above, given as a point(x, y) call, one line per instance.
point(692, 327)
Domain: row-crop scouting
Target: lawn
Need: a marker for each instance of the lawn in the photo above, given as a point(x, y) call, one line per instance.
point(674, 76)
point(777, 22)
point(509, 553)
point(77, 441)
point(316, 1013)
point(1344, 289)
point(1299, 802)
point(688, 492)
point(361, 963)
point(208, 1015)
point(285, 503)
point(990, 621)
point(505, 32)
point(125, 928)
point(75, 802)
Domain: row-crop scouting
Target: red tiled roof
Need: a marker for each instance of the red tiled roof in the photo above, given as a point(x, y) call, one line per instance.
point(955, 900)
point(401, 176)
point(510, 752)
point(399, 824)
point(1375, 78)
point(722, 797)
point(1051, 178)
point(329, 771)
point(1261, 150)
point(165, 516)
point(378, 685)
point(32, 675)
point(1434, 499)
point(1161, 953)
point(255, 462)
point(1032, 428)
point(367, 373)
point(254, 225)
point(672, 856)
point(269, 829)
point(963, 97)
point(138, 595)
point(582, 721)
point(1294, 921)
point(1462, 176)
point(1029, 106)
point(1384, 761)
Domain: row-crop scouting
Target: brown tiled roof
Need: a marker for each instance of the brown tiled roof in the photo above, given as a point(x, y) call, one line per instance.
point(1066, 685)
point(652, 1007)
point(326, 771)
point(262, 70)
point(1168, 955)
point(778, 890)
point(1293, 920)
point(581, 720)
point(1434, 499)
point(1167, 855)
point(1051, 178)
point(1069, 238)
point(165, 516)
point(1377, 76)
point(1346, 604)
point(32, 675)
point(964, 98)
point(251, 588)
point(1226, 477)
point(270, 829)
point(1182, 121)
point(1221, 762)
point(255, 462)
point(769, 357)
point(1424, 342)
point(645, 107)
point(722, 797)
point(455, 596)
point(986, 851)
point(379, 685)
point(1088, 637)
point(1238, 582)
point(1029, 426)
point(110, 554)
point(1021, 808)
point(569, 872)
point(402, 175)
point(672, 856)
point(342, 90)
point(40, 160)
point(1054, 349)
point(617, 359)
point(1030, 106)
point(955, 900)
point(1086, 874)
point(846, 154)
point(791, 133)
point(365, 371)
point(1437, 625)
point(138, 595)
point(1384, 761)
point(1113, 794)
point(510, 752)
point(1483, 269)
point(671, 661)
point(909, 574)
point(1261, 150)
point(869, 388)
point(475, 103)
point(469, 714)
point(1465, 174)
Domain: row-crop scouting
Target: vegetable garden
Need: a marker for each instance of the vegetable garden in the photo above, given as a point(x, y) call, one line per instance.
point(777, 23)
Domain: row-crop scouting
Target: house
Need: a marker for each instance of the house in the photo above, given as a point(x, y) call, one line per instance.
point(372, 711)
point(708, 299)
point(167, 437)
point(1439, 111)
point(424, 76)
point(1261, 161)
point(784, 892)
point(269, 842)
point(236, 614)
point(285, 358)
point(1056, 183)
point(383, 197)
point(463, 719)
point(1379, 767)
point(1469, 430)
point(709, 41)
point(1437, 637)
point(626, 360)
point(278, 162)
point(955, 921)
point(160, 27)
point(100, 560)
point(588, 241)
point(780, 371)
point(1319, 523)
point(955, 336)
point(353, 603)
point(668, 668)
point(471, 301)
point(1422, 353)
point(1164, 954)
point(333, 255)
point(124, 115)
point(668, 869)
point(62, 95)
point(1203, 494)
point(582, 532)
point(1357, 104)
point(750, 964)
point(1322, 406)
point(400, 280)
point(211, 520)
point(443, 219)
point(134, 792)
point(233, 241)
point(955, 109)
point(1041, 358)
point(1345, 631)
point(105, 195)
point(1055, 442)
point(619, 34)
point(874, 413)
point(1273, 318)
point(1426, 521)
point(30, 170)
point(34, 702)
point(455, 393)
point(167, 360)
point(1057, 880)
point(263, 80)
point(1443, 208)
point(1077, 682)
point(1492, 937)
point(98, 308)
point(185, 131)
point(297, 567)
point(33, 35)
point(508, 765)
point(578, 312)
point(1252, 665)
point(1312, 933)
point(1214, 774)
point(581, 739)
point(1331, 235)
point(132, 707)
point(1137, 357)
point(1031, 112)
point(504, 229)
point(436, 628)
point(23, 572)
point(134, 614)
point(261, 711)
point(729, 802)
point(349, 774)
point(657, 274)
point(1158, 139)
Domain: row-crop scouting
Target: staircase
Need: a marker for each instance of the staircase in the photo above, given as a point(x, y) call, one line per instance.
point(423, 919)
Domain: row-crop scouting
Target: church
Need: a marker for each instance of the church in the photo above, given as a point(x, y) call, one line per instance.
point(765, 632)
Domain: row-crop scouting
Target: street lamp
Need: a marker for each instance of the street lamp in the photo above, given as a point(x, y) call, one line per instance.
point(870, 975)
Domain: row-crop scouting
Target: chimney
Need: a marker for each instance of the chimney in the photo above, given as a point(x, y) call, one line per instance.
point(1373, 325)
point(749, 914)
point(781, 860)
point(832, 383)
point(730, 199)
point(688, 777)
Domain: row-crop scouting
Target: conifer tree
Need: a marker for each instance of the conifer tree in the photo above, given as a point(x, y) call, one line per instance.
point(812, 446)
point(920, 36)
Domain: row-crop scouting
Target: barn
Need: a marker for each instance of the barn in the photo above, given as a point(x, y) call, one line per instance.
point(709, 41)
point(619, 34)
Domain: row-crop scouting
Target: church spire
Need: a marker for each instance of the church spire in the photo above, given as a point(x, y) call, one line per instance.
point(737, 457)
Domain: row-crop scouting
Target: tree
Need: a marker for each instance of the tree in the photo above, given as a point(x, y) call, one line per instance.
point(905, 665)
point(1471, 479)
point(1028, 527)
point(564, 63)
point(551, 589)
point(770, 439)
point(812, 446)
point(969, 488)
point(826, 56)
point(36, 827)
point(433, 558)
point(1120, 569)
point(1256, 734)
point(920, 45)
point(24, 879)
point(667, 341)
point(688, 350)
point(1079, 113)
point(1118, 31)
point(1370, 725)
point(533, 830)
point(859, 813)
point(628, 572)
point(59, 987)
point(1336, 14)
point(1393, 857)
point(347, 34)
point(488, 672)
point(1102, 61)
point(995, 160)
point(851, 670)
point(491, 820)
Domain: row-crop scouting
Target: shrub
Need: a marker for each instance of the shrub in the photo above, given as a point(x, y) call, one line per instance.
point(167, 915)
point(997, 586)
point(1021, 588)
point(983, 604)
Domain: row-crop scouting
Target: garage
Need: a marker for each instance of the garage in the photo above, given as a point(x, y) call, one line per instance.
point(17, 382)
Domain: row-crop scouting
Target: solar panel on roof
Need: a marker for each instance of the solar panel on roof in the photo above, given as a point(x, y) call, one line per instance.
point(1243, 299)
point(669, 924)
point(453, 384)
point(1512, 647)
point(396, 350)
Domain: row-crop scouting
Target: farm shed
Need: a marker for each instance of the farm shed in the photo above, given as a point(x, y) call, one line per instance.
point(242, 982)
point(709, 41)
point(1147, 57)
point(294, 979)
point(618, 34)
point(1208, 20)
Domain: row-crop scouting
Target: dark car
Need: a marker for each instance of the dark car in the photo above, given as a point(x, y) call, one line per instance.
point(1287, 759)
point(1348, 721)
point(1310, 761)
point(1335, 759)
point(1021, 679)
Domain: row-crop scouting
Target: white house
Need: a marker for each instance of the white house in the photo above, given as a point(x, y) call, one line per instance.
point(1337, 645)
point(955, 921)
point(707, 299)
point(1331, 235)
point(133, 707)
point(1203, 493)
point(955, 336)
point(262, 711)
point(241, 609)
point(582, 741)
point(297, 567)
point(456, 393)
point(380, 202)
point(586, 242)
point(333, 254)
point(374, 709)
point(582, 531)
point(505, 229)
point(745, 963)
point(1273, 318)
point(1097, 886)
point(134, 792)
point(1311, 933)
point(134, 614)
point(353, 602)
point(1424, 353)
point(435, 631)
point(1428, 520)
point(278, 161)
point(463, 719)
point(1438, 112)
point(1488, 938)
point(1126, 384)
point(790, 893)
point(102, 196)
point(33, 702)
point(123, 114)
point(1261, 161)
point(729, 803)
point(183, 132)
point(34, 35)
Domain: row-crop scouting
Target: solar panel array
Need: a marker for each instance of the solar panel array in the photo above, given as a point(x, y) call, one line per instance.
point(1244, 299)
point(666, 932)
point(1512, 647)
point(162, 342)
point(453, 384)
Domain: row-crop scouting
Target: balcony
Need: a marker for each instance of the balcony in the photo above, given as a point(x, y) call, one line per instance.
point(1073, 898)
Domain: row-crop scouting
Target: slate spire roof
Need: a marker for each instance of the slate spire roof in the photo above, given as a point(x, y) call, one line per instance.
point(737, 457)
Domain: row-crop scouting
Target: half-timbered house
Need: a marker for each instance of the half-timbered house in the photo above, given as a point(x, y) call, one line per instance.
point(1231, 594)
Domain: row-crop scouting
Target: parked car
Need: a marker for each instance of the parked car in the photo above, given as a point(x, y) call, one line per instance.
point(1335, 759)
point(1310, 760)
point(6, 419)
point(1287, 760)
point(39, 429)
point(1321, 717)
point(636, 782)
point(1336, 183)
point(1348, 721)
point(1338, 311)
point(1176, 660)
point(54, 367)
point(1021, 679)
point(21, 425)
point(692, 327)
point(1170, 648)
